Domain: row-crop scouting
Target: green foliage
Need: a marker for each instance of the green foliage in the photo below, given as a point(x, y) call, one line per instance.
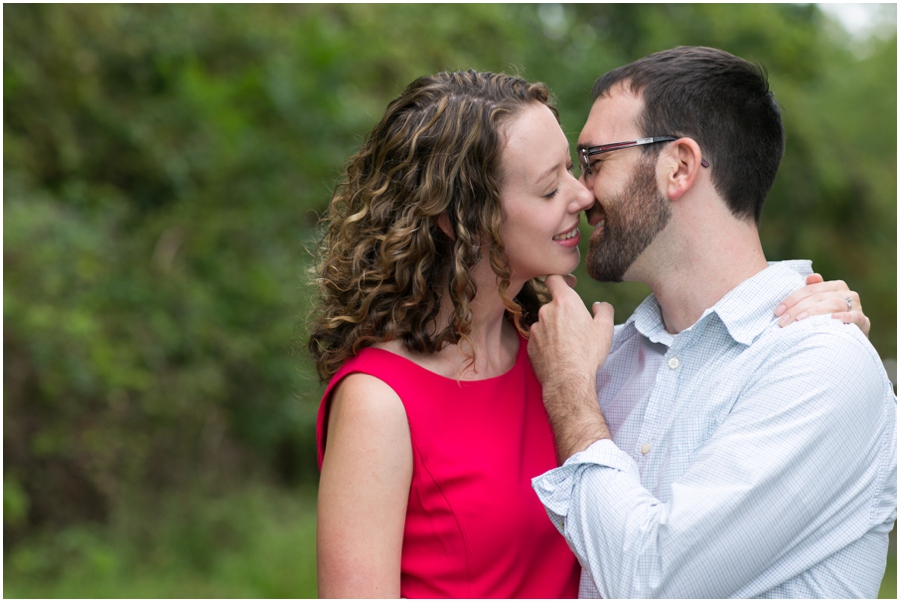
point(163, 168)
point(249, 543)
point(888, 589)
point(153, 257)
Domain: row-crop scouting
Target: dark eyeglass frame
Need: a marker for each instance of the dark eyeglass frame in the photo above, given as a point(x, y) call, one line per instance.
point(586, 153)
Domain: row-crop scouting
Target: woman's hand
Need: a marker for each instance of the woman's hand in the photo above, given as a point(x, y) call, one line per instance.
point(819, 297)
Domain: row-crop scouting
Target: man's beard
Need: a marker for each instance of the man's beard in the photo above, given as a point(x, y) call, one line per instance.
point(633, 219)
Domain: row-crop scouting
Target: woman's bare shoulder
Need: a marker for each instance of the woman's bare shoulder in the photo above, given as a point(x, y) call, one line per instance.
point(367, 400)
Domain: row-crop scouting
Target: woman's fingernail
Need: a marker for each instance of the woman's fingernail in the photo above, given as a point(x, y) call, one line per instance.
point(780, 309)
point(784, 321)
point(802, 316)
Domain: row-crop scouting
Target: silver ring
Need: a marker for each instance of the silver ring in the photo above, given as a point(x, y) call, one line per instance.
point(849, 303)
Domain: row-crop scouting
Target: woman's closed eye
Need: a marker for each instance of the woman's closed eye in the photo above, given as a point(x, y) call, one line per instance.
point(569, 167)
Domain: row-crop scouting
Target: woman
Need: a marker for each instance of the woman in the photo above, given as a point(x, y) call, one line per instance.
point(461, 197)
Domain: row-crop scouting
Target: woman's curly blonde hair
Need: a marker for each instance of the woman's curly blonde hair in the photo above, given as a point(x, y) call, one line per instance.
point(384, 263)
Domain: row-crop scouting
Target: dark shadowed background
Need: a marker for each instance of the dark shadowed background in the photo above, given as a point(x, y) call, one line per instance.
point(164, 166)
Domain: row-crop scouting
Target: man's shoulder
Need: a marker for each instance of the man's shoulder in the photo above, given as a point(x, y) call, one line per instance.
point(822, 333)
point(835, 352)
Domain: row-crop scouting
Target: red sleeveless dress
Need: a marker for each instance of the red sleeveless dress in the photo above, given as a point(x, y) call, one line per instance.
point(474, 526)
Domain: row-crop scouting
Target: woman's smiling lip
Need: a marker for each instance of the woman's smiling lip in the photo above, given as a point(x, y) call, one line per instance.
point(569, 238)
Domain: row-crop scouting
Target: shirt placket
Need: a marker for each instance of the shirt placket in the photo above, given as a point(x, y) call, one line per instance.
point(659, 412)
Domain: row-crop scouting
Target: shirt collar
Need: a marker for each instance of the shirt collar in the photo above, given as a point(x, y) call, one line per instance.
point(745, 311)
point(647, 319)
point(749, 308)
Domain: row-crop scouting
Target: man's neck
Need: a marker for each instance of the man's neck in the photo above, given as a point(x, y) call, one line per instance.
point(697, 276)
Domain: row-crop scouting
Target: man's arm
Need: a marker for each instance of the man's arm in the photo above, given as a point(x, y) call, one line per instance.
point(795, 469)
point(566, 348)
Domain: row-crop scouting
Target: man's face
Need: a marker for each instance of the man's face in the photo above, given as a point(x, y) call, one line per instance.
point(629, 211)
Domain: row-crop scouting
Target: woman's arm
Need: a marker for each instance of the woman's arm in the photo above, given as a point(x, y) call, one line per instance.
point(818, 297)
point(363, 491)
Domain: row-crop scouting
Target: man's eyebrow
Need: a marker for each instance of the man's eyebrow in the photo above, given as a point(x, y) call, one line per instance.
point(583, 145)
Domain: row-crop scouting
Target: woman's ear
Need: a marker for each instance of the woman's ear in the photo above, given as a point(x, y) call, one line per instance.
point(683, 162)
point(444, 225)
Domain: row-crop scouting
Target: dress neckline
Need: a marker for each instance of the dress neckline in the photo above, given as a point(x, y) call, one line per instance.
point(522, 350)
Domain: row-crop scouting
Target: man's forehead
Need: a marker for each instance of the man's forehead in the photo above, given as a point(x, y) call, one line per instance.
point(612, 115)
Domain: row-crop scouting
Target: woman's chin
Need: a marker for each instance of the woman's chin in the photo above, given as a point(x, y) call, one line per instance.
point(568, 268)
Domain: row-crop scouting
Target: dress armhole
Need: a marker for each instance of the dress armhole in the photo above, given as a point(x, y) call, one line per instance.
point(322, 418)
point(370, 366)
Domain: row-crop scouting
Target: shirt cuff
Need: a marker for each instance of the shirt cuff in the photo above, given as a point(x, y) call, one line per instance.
point(555, 487)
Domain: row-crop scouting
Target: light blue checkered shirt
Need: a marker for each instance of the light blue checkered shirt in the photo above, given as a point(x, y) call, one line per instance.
point(747, 460)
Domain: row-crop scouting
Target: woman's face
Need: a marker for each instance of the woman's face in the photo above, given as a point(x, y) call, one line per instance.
point(540, 198)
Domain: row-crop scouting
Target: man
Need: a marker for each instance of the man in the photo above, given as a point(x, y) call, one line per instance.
point(728, 457)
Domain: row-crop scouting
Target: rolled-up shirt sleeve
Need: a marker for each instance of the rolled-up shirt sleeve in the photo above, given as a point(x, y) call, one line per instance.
point(789, 477)
point(627, 507)
point(555, 488)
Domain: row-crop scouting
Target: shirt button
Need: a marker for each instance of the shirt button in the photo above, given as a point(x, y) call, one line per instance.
point(645, 448)
point(674, 363)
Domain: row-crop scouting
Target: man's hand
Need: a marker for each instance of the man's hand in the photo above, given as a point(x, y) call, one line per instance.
point(567, 347)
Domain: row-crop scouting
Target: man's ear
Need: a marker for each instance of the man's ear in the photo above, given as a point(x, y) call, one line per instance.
point(444, 225)
point(682, 163)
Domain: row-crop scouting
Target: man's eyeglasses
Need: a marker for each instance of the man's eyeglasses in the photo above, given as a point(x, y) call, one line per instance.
point(586, 153)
